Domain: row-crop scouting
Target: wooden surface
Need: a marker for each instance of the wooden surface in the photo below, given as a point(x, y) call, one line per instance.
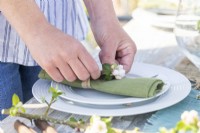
point(155, 46)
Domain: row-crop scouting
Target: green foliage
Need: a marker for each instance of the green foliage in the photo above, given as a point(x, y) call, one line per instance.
point(55, 92)
point(181, 126)
point(15, 99)
point(198, 25)
point(110, 130)
point(72, 119)
point(107, 72)
point(17, 106)
point(107, 121)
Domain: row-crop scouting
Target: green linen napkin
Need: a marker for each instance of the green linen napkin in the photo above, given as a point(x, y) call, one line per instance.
point(135, 87)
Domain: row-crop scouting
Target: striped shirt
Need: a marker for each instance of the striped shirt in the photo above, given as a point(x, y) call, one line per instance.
point(66, 15)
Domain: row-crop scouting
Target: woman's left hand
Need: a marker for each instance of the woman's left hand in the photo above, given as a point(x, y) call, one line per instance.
point(116, 46)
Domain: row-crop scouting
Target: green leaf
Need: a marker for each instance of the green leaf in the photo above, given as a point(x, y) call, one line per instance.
point(13, 111)
point(72, 119)
point(198, 25)
point(107, 121)
point(180, 125)
point(19, 104)
point(59, 93)
point(55, 92)
point(22, 109)
point(81, 121)
point(15, 99)
point(110, 130)
point(52, 90)
point(107, 72)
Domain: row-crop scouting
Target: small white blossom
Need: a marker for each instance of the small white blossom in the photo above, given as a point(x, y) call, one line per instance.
point(120, 67)
point(194, 114)
point(1, 130)
point(122, 72)
point(189, 117)
point(115, 72)
point(118, 77)
point(198, 124)
point(97, 126)
point(119, 72)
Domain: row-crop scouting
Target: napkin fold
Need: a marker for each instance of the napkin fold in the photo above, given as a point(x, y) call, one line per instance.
point(134, 87)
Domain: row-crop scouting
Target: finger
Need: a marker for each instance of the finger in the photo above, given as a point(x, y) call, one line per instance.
point(107, 55)
point(79, 69)
point(90, 64)
point(54, 73)
point(67, 72)
point(125, 51)
point(65, 69)
point(126, 61)
point(122, 53)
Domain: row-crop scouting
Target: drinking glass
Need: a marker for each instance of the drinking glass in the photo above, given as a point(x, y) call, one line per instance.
point(187, 29)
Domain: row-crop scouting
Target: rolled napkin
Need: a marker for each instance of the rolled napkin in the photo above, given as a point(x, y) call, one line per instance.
point(134, 87)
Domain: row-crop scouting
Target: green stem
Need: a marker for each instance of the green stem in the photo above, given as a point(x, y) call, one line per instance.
point(46, 118)
point(49, 105)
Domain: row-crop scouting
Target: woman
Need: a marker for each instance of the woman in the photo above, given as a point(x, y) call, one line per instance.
point(47, 33)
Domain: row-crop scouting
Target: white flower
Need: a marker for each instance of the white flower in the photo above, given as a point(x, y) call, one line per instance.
point(115, 72)
point(194, 114)
point(189, 117)
point(120, 67)
point(97, 126)
point(1, 130)
point(184, 115)
point(198, 124)
point(122, 72)
point(118, 72)
point(118, 77)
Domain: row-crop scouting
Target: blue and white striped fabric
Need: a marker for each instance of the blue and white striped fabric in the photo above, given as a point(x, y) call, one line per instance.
point(66, 15)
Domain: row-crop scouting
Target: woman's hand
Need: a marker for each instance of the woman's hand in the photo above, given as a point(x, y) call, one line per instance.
point(115, 44)
point(62, 56)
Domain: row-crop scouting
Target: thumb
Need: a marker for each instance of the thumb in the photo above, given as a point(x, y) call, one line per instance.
point(107, 55)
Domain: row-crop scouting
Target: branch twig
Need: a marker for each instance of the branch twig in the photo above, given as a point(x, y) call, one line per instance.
point(46, 118)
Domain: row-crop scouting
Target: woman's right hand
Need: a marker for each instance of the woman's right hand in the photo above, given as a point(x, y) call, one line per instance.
point(62, 56)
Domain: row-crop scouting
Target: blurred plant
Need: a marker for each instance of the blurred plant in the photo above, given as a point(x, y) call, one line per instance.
point(189, 123)
point(198, 26)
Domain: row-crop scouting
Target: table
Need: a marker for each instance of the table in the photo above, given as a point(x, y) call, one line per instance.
point(155, 46)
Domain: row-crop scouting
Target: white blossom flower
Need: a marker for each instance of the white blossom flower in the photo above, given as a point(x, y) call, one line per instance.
point(122, 72)
point(1, 130)
point(120, 67)
point(118, 72)
point(189, 117)
point(118, 77)
point(115, 72)
point(97, 126)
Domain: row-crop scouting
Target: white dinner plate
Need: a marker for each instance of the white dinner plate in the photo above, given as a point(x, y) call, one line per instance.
point(91, 96)
point(163, 11)
point(179, 89)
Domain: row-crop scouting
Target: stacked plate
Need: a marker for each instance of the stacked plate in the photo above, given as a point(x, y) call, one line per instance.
point(92, 102)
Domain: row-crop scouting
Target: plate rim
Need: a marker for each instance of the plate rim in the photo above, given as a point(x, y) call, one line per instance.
point(75, 109)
